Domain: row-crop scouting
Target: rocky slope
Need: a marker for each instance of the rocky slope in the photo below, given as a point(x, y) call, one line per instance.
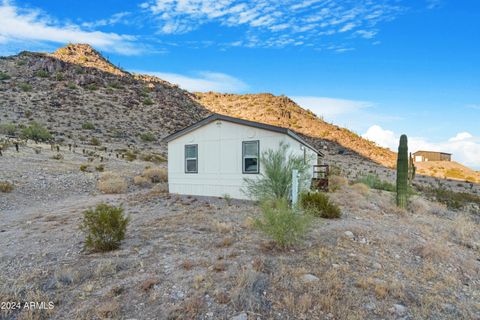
point(282, 111)
point(79, 95)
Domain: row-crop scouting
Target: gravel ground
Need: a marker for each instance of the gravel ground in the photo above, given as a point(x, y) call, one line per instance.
point(199, 258)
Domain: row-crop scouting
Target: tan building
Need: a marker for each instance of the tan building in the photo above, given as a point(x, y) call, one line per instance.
point(423, 156)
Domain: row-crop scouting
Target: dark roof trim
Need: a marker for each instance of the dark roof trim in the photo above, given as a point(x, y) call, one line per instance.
point(432, 152)
point(216, 116)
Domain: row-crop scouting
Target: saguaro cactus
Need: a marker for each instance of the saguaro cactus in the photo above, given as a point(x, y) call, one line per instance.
point(411, 170)
point(402, 172)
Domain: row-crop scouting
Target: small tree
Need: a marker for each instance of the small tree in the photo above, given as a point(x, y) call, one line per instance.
point(275, 182)
point(104, 227)
point(36, 132)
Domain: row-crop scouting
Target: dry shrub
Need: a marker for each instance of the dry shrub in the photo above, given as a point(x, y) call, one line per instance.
point(141, 181)
point(37, 313)
point(222, 227)
point(465, 231)
point(160, 188)
point(248, 294)
point(109, 310)
point(433, 251)
point(418, 205)
point(319, 205)
point(187, 264)
point(156, 175)
point(361, 188)
point(111, 183)
point(304, 303)
point(6, 187)
point(337, 182)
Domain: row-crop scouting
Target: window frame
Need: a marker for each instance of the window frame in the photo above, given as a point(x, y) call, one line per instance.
point(258, 157)
point(185, 159)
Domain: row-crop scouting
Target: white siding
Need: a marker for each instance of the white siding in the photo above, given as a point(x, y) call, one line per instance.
point(220, 158)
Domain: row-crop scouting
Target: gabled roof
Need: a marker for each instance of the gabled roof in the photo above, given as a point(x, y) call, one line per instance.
point(216, 116)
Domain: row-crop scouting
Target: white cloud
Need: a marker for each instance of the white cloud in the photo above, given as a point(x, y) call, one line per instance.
point(21, 26)
point(330, 107)
point(465, 147)
point(433, 4)
point(203, 81)
point(272, 21)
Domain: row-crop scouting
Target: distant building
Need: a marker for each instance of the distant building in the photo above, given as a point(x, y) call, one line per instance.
point(423, 156)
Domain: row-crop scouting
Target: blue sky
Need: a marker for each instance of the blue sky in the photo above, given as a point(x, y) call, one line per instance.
point(380, 68)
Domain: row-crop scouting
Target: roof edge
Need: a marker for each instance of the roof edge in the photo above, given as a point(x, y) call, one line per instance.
point(259, 125)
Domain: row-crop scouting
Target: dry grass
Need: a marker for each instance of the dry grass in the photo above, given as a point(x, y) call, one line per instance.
point(111, 183)
point(6, 187)
point(222, 227)
point(141, 181)
point(337, 182)
point(465, 231)
point(361, 188)
point(156, 175)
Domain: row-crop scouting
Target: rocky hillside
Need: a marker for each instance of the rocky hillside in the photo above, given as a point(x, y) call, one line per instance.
point(448, 170)
point(78, 95)
point(282, 111)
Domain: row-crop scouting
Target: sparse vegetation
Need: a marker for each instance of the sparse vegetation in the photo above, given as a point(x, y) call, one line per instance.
point(25, 87)
point(42, 74)
point(374, 182)
point(454, 200)
point(286, 226)
point(319, 205)
point(148, 102)
point(4, 76)
point(111, 183)
point(36, 132)
point(6, 187)
point(94, 141)
point(8, 129)
point(156, 175)
point(104, 227)
point(91, 87)
point(147, 137)
point(88, 126)
point(276, 181)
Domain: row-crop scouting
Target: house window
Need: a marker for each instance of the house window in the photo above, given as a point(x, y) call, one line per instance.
point(250, 156)
point(191, 158)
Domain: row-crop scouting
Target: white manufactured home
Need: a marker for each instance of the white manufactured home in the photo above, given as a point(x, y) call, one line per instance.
point(213, 156)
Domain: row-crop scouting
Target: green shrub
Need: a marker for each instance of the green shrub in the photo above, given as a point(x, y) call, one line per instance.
point(275, 182)
point(91, 86)
point(21, 62)
point(36, 132)
point(104, 227)
point(6, 187)
point(42, 74)
point(130, 155)
point(284, 225)
point(88, 126)
point(8, 129)
point(83, 167)
point(147, 102)
point(59, 76)
point(4, 76)
point(453, 200)
point(25, 87)
point(147, 137)
point(72, 85)
point(100, 168)
point(374, 182)
point(319, 205)
point(95, 141)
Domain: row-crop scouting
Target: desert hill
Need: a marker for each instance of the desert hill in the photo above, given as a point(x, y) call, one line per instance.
point(78, 95)
point(282, 111)
point(447, 170)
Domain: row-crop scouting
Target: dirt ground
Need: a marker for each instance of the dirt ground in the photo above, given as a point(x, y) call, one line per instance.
point(200, 258)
